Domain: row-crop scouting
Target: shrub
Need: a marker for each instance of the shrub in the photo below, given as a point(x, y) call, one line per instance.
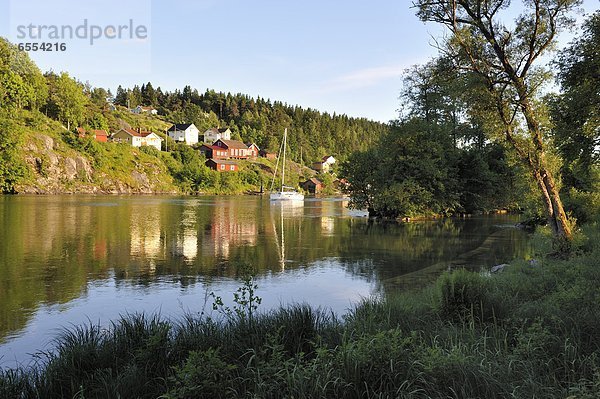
point(203, 375)
point(463, 294)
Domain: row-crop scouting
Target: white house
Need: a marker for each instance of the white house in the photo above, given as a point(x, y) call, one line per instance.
point(184, 132)
point(325, 163)
point(144, 110)
point(137, 138)
point(214, 134)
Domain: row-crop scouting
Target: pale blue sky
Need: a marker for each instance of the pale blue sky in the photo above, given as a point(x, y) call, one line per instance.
point(335, 56)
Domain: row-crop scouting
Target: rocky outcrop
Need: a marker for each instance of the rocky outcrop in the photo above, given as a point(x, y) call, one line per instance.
point(57, 169)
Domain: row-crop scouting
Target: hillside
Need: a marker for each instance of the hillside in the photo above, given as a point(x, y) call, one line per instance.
point(57, 161)
point(41, 153)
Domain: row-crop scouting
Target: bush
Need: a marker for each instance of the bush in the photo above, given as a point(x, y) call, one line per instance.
point(204, 375)
point(584, 206)
point(464, 294)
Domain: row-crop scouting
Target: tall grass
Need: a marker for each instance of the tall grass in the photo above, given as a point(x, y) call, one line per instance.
point(532, 331)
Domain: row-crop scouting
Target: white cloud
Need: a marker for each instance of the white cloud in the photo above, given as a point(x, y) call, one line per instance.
point(366, 77)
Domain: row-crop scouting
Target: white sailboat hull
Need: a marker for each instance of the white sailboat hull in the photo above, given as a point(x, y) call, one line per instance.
point(287, 196)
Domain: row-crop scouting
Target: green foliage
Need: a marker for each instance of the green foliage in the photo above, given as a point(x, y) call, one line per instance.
point(204, 375)
point(463, 295)
point(584, 206)
point(575, 112)
point(12, 167)
point(99, 122)
point(21, 82)
point(312, 133)
point(414, 171)
point(66, 101)
point(245, 299)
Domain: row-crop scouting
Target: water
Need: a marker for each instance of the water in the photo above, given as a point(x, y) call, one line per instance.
point(70, 260)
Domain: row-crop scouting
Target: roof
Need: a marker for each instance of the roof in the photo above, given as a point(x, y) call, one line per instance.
point(326, 157)
point(234, 144)
point(99, 132)
point(217, 130)
point(316, 182)
point(212, 147)
point(252, 144)
point(146, 108)
point(180, 126)
point(136, 133)
point(222, 161)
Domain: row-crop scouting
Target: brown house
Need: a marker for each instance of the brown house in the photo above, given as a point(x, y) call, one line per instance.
point(312, 185)
point(212, 151)
point(235, 149)
point(222, 165)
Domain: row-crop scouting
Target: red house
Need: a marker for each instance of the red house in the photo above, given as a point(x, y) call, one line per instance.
point(212, 151)
point(98, 135)
point(235, 149)
point(222, 165)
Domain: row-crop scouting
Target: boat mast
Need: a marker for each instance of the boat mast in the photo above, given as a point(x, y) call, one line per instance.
point(283, 166)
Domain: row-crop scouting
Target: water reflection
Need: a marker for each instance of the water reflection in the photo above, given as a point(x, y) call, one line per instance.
point(66, 259)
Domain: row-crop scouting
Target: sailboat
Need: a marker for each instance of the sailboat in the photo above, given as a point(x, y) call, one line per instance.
point(286, 193)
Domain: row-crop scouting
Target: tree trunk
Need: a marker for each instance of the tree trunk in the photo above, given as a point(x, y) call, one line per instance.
point(562, 225)
point(555, 212)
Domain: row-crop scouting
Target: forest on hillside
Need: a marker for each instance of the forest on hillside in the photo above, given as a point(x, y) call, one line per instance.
point(36, 102)
point(313, 134)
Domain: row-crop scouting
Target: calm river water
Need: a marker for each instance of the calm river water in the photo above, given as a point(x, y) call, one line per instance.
point(70, 260)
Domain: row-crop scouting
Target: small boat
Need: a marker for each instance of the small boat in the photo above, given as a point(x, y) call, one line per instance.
point(286, 193)
point(287, 196)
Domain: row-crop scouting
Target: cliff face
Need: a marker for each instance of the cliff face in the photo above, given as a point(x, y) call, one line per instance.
point(57, 169)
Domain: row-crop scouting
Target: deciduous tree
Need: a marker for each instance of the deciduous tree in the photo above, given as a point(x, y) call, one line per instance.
point(504, 59)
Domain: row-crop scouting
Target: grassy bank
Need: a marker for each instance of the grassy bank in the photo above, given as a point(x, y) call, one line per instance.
point(532, 330)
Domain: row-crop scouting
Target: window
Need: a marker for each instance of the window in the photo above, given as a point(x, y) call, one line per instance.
point(232, 167)
point(222, 167)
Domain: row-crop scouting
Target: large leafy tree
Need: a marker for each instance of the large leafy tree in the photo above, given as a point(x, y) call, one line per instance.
point(576, 112)
point(409, 173)
point(67, 101)
point(22, 85)
point(503, 59)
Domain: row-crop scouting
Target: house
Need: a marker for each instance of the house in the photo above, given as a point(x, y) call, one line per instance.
point(253, 150)
point(211, 151)
point(222, 165)
point(137, 138)
point(267, 154)
point(235, 149)
point(112, 107)
point(214, 134)
point(100, 136)
point(325, 164)
point(144, 110)
point(184, 132)
point(312, 185)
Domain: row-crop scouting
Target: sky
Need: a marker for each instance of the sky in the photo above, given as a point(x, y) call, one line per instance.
point(335, 56)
